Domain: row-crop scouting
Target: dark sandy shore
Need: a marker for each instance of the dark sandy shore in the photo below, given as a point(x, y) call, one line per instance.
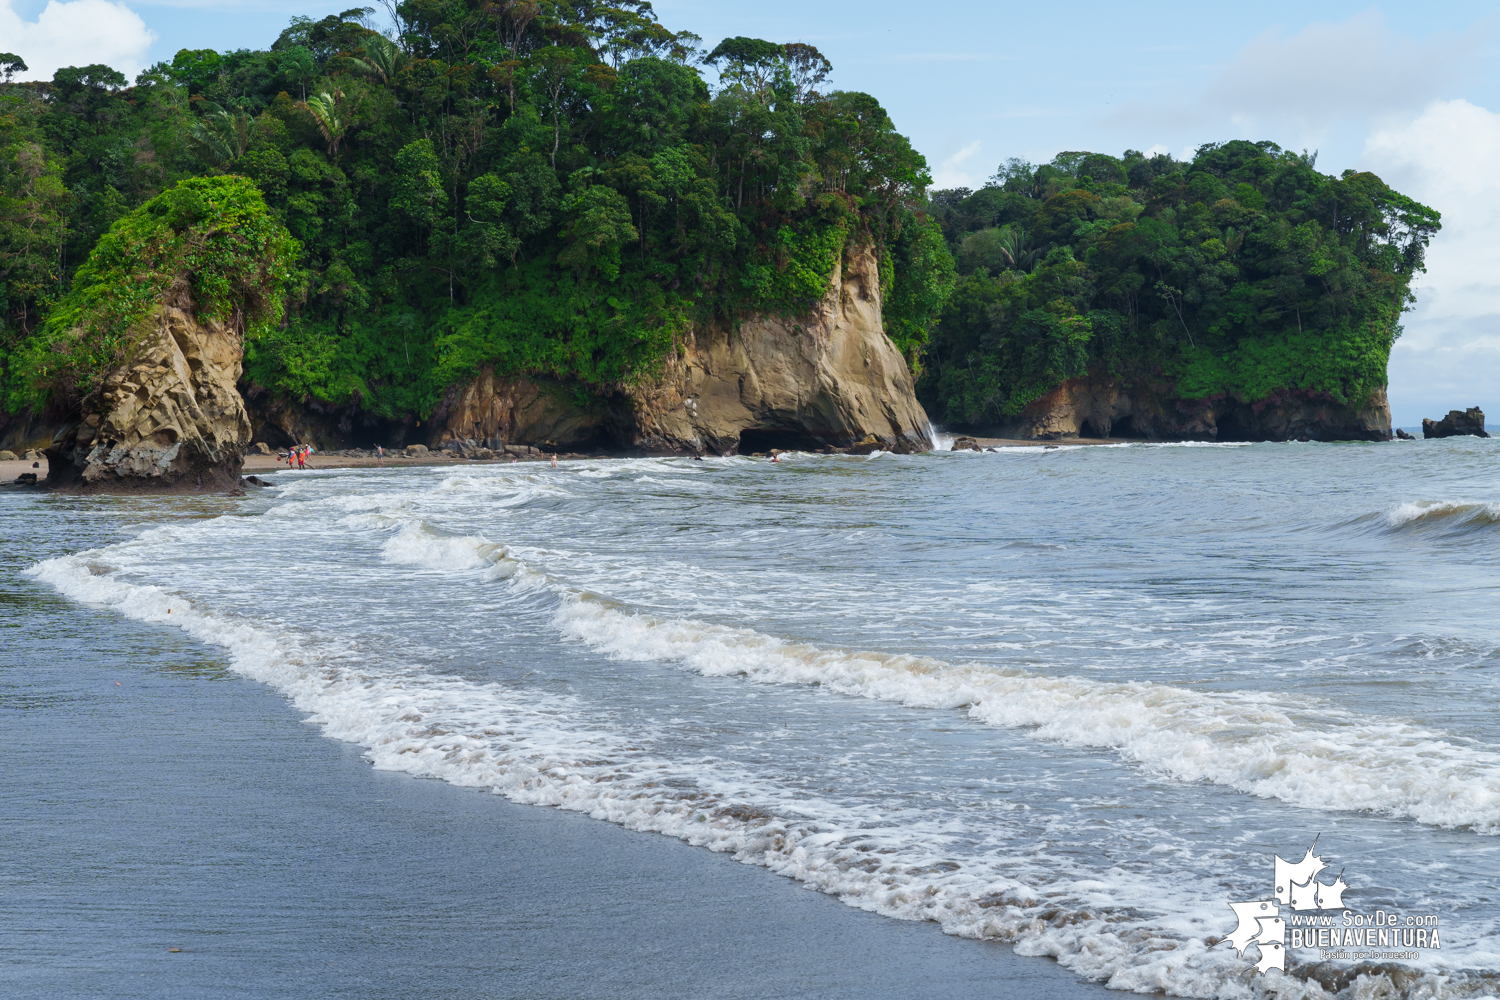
point(154, 801)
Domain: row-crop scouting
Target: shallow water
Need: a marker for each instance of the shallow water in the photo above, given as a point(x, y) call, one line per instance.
point(1071, 699)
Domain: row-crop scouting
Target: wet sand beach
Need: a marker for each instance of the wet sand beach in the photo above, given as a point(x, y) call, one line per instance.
point(167, 803)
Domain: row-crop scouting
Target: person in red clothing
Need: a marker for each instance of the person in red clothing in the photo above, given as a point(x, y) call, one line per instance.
point(301, 458)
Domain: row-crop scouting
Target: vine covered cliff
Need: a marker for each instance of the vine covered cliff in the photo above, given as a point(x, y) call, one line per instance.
point(541, 192)
point(140, 361)
point(1242, 294)
point(554, 196)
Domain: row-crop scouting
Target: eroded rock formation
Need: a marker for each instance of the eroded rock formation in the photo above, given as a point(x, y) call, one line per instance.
point(1458, 423)
point(1101, 406)
point(827, 379)
point(168, 419)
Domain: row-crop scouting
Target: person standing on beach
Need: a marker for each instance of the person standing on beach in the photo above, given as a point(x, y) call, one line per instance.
point(301, 458)
point(380, 453)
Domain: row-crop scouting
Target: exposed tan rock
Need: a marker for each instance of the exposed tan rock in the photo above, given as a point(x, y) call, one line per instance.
point(829, 378)
point(521, 410)
point(170, 418)
point(1142, 407)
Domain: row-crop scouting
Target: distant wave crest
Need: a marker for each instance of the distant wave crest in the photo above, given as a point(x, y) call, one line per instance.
point(1447, 516)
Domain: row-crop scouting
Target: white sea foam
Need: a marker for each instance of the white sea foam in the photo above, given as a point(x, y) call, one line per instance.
point(941, 439)
point(1310, 755)
point(546, 749)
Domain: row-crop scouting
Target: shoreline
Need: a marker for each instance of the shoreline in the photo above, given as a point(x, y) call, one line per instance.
point(231, 849)
point(255, 463)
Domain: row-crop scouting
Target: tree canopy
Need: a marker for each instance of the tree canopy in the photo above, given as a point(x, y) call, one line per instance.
point(548, 187)
point(1243, 272)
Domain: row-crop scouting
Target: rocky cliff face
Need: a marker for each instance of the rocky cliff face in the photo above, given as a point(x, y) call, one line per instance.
point(1102, 406)
point(827, 379)
point(169, 419)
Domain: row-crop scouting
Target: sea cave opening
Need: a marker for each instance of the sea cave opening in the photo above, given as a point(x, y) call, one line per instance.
point(1088, 430)
point(763, 439)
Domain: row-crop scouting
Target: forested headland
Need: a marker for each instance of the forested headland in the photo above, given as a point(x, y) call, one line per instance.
point(1243, 273)
point(544, 187)
point(555, 189)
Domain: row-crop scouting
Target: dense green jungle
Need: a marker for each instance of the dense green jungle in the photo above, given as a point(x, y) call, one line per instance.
point(555, 189)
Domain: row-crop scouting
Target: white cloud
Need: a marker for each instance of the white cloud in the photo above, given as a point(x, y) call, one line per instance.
point(1300, 86)
point(958, 170)
point(1448, 157)
point(76, 33)
point(1330, 71)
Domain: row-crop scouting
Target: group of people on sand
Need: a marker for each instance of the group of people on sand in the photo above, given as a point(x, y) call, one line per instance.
point(296, 456)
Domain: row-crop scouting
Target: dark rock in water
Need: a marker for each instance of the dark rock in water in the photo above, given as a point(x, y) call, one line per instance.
point(965, 444)
point(1403, 436)
point(255, 481)
point(27, 478)
point(1457, 423)
point(868, 445)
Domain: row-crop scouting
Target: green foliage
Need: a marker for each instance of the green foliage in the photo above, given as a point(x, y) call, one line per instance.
point(1244, 272)
point(542, 187)
point(924, 279)
point(212, 236)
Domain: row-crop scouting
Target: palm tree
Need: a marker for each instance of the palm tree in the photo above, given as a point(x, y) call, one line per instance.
point(383, 58)
point(1014, 244)
point(220, 136)
point(333, 115)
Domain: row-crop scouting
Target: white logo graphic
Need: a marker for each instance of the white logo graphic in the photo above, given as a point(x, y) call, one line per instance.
point(1297, 886)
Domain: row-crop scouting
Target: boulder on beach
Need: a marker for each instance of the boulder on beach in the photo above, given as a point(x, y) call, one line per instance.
point(8, 456)
point(1458, 423)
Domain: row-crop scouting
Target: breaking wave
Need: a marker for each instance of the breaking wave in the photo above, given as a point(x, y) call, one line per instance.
point(1313, 755)
point(548, 749)
point(1443, 516)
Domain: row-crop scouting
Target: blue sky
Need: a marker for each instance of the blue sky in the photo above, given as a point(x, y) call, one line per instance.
point(1410, 92)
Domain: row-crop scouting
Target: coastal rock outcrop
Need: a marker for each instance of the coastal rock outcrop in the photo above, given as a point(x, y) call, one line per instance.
point(826, 379)
point(500, 410)
point(169, 418)
point(1101, 406)
point(1458, 423)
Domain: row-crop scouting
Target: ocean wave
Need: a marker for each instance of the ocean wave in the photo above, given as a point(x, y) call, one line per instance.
point(1454, 517)
point(1313, 756)
point(550, 749)
point(1307, 753)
